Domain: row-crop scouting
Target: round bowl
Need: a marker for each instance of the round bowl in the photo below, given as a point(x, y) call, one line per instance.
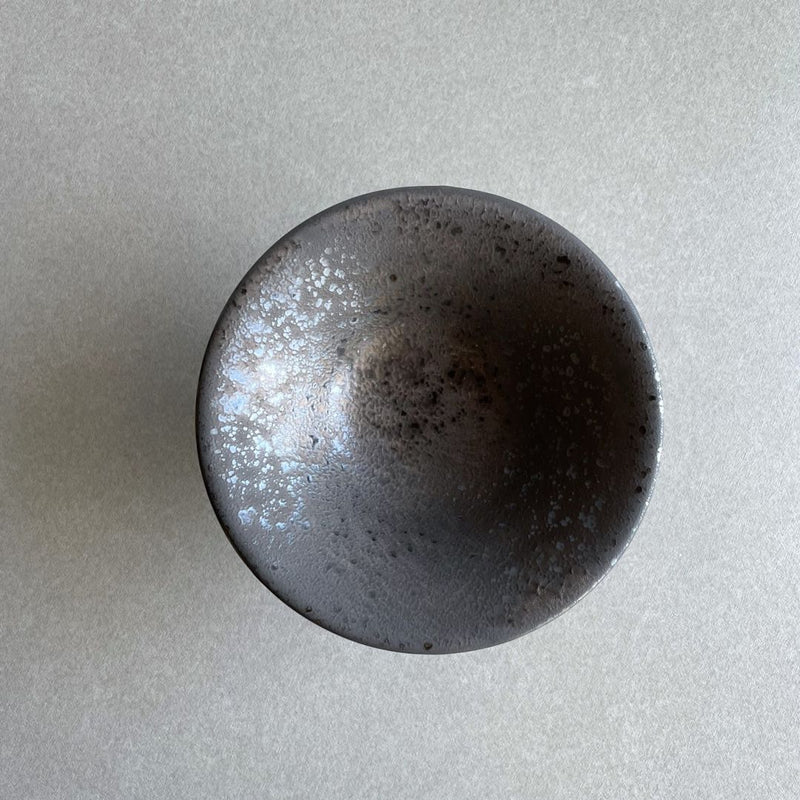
point(428, 419)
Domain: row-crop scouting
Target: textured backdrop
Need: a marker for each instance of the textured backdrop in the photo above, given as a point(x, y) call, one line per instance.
point(150, 153)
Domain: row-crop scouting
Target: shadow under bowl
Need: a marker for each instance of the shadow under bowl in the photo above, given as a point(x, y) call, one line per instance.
point(428, 419)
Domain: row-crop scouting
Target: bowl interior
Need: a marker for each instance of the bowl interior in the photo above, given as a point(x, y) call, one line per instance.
point(428, 419)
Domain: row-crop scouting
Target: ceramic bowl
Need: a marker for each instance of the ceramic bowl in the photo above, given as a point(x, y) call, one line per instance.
point(429, 419)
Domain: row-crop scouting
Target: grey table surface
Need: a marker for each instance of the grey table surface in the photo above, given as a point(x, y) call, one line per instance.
point(150, 153)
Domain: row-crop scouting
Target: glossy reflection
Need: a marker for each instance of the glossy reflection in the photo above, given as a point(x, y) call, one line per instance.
point(428, 419)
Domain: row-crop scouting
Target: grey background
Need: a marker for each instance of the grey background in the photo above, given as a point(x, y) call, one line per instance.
point(150, 153)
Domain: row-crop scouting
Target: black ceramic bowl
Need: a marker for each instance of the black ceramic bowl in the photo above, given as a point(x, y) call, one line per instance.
point(428, 419)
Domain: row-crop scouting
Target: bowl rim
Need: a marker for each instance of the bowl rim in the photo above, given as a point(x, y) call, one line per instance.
point(405, 192)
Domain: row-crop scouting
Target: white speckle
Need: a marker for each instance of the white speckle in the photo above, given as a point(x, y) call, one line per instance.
point(588, 521)
point(261, 443)
point(233, 404)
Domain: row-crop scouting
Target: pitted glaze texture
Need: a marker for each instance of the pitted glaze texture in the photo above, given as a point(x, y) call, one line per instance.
point(429, 419)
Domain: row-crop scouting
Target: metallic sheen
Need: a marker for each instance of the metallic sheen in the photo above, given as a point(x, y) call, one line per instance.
point(429, 419)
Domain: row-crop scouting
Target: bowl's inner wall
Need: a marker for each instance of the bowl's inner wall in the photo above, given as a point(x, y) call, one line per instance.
point(429, 419)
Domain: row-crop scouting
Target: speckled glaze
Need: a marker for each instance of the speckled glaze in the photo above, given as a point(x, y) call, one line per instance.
point(428, 419)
